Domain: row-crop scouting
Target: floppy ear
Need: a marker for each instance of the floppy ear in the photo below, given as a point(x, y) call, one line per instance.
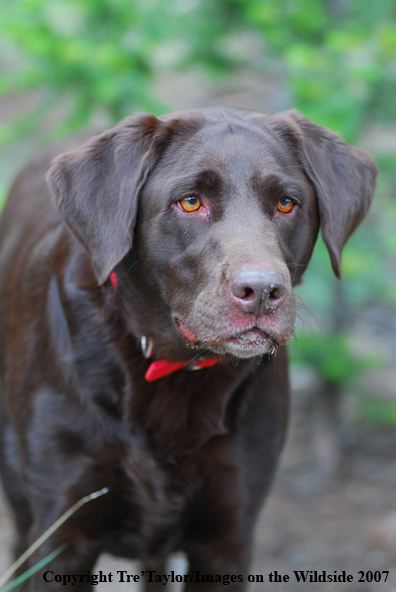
point(96, 187)
point(344, 179)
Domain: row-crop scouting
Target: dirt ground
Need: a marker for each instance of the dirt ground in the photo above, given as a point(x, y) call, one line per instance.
point(345, 521)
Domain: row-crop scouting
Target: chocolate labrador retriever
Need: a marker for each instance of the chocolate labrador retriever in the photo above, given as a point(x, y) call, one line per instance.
point(170, 244)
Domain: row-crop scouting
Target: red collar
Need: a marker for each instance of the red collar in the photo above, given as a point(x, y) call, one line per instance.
point(162, 368)
point(114, 280)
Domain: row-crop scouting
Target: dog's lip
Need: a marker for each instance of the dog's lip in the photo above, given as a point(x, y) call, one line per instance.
point(266, 333)
point(185, 331)
point(253, 330)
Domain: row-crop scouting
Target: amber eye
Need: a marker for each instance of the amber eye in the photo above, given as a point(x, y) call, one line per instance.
point(285, 205)
point(190, 204)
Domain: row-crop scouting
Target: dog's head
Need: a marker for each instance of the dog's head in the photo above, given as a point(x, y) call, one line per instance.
point(213, 215)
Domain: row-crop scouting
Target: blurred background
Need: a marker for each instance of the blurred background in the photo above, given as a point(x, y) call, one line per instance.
point(72, 64)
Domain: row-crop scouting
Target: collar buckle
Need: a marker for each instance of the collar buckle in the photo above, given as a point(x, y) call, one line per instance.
point(147, 346)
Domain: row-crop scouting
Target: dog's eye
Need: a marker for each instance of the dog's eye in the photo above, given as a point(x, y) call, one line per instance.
point(285, 205)
point(190, 204)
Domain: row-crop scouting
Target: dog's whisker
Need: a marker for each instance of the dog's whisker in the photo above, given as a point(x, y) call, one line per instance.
point(301, 304)
point(131, 267)
point(296, 265)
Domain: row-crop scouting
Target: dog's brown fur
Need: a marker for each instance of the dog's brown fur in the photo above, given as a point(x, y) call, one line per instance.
point(189, 458)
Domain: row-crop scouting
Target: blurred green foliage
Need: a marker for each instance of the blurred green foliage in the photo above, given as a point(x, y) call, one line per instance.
point(336, 57)
point(377, 412)
point(95, 53)
point(340, 57)
point(337, 362)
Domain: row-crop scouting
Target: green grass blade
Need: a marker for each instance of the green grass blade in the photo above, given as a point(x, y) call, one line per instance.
point(48, 533)
point(26, 574)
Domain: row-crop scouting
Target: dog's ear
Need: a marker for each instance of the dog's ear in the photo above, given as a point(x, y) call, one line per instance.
point(96, 187)
point(343, 177)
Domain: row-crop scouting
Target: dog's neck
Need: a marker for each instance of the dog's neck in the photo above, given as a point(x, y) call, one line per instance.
point(168, 388)
point(161, 368)
point(166, 361)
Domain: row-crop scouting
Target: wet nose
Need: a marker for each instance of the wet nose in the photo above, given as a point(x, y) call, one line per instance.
point(258, 291)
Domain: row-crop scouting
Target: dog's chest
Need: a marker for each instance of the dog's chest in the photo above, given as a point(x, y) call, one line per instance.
point(152, 500)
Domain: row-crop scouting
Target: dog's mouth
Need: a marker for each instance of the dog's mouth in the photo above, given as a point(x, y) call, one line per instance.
point(251, 338)
point(243, 343)
point(250, 342)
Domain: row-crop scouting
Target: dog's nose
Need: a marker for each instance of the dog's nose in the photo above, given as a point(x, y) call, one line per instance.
point(258, 291)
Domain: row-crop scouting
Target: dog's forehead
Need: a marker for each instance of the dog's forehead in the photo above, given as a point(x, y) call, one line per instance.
point(229, 145)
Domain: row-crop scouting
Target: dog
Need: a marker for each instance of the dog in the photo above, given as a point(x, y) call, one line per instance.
point(162, 246)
